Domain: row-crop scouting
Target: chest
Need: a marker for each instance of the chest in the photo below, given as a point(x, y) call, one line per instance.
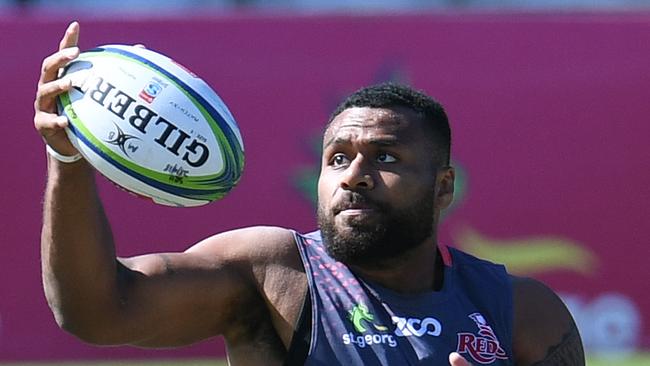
point(372, 332)
point(356, 322)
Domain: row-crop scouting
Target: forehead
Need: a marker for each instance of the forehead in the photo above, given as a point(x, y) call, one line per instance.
point(365, 122)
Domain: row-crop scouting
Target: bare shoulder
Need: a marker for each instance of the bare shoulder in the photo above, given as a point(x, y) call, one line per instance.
point(246, 268)
point(544, 332)
point(270, 259)
point(238, 250)
point(268, 254)
point(253, 243)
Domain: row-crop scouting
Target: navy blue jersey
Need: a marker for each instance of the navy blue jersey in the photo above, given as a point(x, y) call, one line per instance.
point(356, 322)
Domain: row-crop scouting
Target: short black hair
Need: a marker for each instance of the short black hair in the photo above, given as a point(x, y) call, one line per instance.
point(391, 95)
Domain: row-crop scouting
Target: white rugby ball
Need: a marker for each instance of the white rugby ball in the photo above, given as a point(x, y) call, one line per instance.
point(151, 126)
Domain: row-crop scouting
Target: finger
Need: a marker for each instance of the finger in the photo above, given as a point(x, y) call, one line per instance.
point(456, 359)
point(70, 37)
point(140, 45)
point(46, 94)
point(52, 63)
point(49, 123)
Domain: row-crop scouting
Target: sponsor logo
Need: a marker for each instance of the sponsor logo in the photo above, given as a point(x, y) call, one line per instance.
point(362, 341)
point(483, 347)
point(369, 332)
point(417, 327)
point(121, 140)
point(147, 122)
point(363, 321)
point(360, 316)
point(152, 89)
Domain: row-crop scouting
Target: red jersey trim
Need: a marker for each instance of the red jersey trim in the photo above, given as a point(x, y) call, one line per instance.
point(446, 256)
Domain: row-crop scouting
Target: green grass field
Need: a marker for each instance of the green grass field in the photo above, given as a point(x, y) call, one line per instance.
point(638, 360)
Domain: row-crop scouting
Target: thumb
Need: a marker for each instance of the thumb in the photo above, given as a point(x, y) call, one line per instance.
point(456, 359)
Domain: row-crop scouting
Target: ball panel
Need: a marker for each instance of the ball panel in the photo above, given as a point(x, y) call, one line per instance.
point(133, 183)
point(214, 111)
point(199, 90)
point(200, 121)
point(201, 188)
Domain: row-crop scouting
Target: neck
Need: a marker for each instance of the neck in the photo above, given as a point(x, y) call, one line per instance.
point(417, 270)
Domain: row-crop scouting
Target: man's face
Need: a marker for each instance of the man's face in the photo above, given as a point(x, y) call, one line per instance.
point(377, 188)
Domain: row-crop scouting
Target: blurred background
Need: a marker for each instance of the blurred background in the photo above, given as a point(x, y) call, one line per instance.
point(152, 6)
point(548, 102)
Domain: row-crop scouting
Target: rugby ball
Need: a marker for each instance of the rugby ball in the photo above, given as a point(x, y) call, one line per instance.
point(151, 126)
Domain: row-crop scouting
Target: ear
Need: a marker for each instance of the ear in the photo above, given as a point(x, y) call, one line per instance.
point(445, 186)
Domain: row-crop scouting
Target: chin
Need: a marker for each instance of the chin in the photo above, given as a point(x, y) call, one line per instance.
point(362, 245)
point(376, 239)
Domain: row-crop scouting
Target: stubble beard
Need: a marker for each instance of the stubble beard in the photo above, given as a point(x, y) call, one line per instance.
point(383, 241)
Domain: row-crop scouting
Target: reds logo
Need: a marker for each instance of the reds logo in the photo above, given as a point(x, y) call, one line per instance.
point(484, 348)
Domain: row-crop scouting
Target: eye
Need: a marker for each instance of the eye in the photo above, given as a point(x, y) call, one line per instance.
point(386, 158)
point(339, 160)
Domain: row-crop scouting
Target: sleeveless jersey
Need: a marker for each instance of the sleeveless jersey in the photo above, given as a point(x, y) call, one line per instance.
point(357, 322)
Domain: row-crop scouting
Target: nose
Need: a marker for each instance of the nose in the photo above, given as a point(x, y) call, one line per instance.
point(356, 176)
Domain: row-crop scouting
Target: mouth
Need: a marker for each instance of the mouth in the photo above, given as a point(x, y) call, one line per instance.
point(358, 207)
point(356, 211)
point(355, 215)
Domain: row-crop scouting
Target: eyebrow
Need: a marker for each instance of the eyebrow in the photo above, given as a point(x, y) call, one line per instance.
point(385, 141)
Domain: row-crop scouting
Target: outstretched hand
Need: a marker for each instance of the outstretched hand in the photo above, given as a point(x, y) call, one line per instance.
point(456, 359)
point(46, 120)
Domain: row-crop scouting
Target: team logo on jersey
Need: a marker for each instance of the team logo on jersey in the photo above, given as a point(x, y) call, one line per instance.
point(483, 347)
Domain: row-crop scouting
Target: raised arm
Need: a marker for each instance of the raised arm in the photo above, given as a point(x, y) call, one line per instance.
point(152, 300)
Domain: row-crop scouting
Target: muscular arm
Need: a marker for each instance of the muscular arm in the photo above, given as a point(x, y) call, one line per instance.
point(77, 255)
point(152, 300)
point(544, 331)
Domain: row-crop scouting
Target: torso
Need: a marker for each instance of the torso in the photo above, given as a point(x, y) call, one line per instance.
point(266, 323)
point(357, 322)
